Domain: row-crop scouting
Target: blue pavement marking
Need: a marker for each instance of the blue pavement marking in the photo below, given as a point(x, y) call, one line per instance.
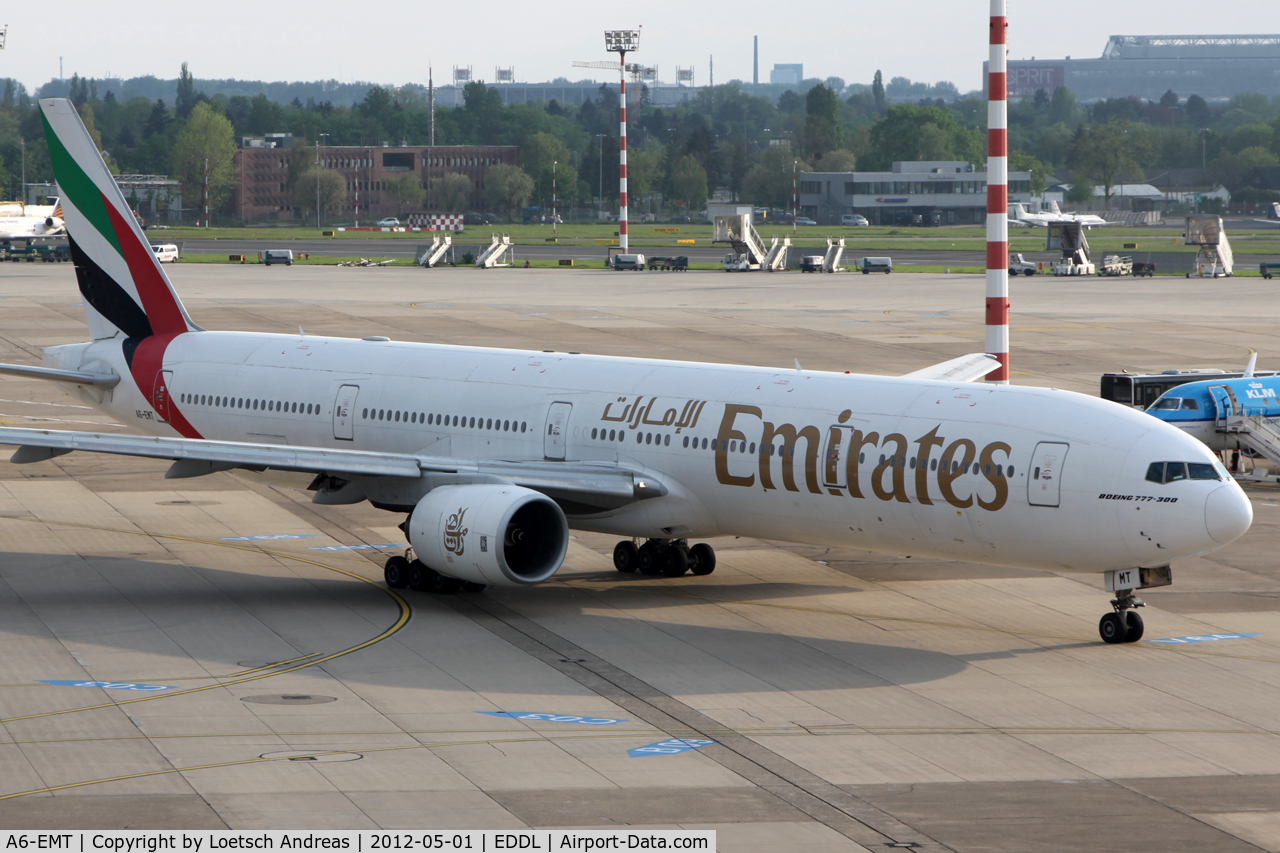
point(110, 685)
point(669, 747)
point(554, 718)
point(1204, 638)
point(277, 536)
point(358, 547)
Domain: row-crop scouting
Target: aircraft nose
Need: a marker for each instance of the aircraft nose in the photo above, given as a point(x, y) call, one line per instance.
point(1227, 513)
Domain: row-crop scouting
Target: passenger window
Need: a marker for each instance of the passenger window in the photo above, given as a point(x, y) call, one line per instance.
point(1174, 471)
point(1188, 403)
point(1201, 471)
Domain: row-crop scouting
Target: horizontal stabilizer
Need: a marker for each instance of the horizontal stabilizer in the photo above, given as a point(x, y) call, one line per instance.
point(966, 368)
point(97, 380)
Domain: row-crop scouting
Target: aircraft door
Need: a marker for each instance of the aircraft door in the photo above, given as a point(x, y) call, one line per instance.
point(160, 395)
point(1044, 480)
point(344, 412)
point(834, 470)
point(1224, 399)
point(553, 437)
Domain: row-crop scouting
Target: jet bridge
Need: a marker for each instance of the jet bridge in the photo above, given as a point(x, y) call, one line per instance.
point(496, 251)
point(429, 256)
point(1214, 258)
point(1068, 237)
point(737, 231)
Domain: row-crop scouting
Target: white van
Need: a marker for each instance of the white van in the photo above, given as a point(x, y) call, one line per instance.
point(853, 219)
point(278, 256)
point(166, 253)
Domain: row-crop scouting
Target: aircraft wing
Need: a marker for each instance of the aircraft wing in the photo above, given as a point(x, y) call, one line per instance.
point(966, 368)
point(602, 485)
point(1271, 222)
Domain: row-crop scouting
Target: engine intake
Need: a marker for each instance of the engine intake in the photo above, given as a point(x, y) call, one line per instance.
point(502, 535)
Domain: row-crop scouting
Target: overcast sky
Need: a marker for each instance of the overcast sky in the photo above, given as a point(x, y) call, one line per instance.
point(392, 42)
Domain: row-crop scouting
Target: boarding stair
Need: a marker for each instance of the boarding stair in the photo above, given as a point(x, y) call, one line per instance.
point(1214, 259)
point(776, 259)
point(737, 231)
point(497, 250)
point(429, 256)
point(835, 250)
point(1070, 239)
point(1251, 427)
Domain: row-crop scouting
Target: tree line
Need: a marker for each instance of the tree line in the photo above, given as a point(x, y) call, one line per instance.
point(724, 138)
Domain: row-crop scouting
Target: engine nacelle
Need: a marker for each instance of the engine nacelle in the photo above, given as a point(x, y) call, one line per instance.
point(490, 534)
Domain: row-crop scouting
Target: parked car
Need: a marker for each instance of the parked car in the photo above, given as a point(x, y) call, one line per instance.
point(473, 218)
point(166, 253)
point(853, 219)
point(278, 256)
point(804, 220)
point(870, 265)
point(389, 222)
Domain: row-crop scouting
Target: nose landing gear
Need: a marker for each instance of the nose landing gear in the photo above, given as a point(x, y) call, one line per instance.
point(1124, 625)
point(667, 557)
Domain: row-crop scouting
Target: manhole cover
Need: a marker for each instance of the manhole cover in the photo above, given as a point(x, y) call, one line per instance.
point(318, 756)
point(188, 503)
point(289, 699)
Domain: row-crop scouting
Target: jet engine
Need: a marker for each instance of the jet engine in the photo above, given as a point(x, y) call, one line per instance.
point(489, 534)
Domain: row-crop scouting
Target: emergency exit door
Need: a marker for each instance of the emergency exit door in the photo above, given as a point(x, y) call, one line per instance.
point(1044, 479)
point(553, 437)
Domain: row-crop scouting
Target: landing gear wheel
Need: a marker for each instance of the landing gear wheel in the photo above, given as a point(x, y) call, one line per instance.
point(1133, 626)
point(1112, 628)
point(675, 561)
point(443, 584)
point(626, 556)
point(702, 559)
point(396, 573)
point(472, 586)
point(647, 559)
point(420, 576)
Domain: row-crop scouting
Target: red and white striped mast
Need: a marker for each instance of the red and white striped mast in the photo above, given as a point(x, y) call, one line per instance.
point(998, 198)
point(621, 41)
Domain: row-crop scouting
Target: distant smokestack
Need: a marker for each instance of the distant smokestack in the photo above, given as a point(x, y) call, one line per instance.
point(755, 63)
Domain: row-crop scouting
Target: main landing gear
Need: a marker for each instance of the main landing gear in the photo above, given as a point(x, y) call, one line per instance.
point(667, 557)
point(1124, 625)
point(401, 572)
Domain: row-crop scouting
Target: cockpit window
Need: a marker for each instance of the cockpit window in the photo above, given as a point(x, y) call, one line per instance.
point(1190, 403)
point(1169, 472)
point(1168, 403)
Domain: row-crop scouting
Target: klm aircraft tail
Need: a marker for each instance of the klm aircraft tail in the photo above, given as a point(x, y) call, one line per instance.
point(124, 288)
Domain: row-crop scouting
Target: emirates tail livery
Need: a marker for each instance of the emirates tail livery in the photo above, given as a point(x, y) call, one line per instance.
point(495, 454)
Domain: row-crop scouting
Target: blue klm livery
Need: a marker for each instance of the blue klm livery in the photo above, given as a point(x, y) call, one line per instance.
point(1225, 414)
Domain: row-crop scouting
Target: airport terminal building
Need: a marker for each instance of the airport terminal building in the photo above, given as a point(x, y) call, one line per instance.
point(949, 188)
point(1215, 67)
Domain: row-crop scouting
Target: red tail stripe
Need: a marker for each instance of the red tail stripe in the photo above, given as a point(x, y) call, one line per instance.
point(158, 300)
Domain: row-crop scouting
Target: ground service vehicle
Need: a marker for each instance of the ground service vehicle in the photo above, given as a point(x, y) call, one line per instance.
point(1019, 264)
point(870, 265)
point(278, 256)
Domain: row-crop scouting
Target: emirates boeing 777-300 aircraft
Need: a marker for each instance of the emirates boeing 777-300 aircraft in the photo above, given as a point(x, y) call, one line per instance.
point(494, 454)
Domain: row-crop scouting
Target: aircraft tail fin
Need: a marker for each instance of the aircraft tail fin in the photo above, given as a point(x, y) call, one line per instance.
point(1274, 213)
point(1053, 207)
point(125, 290)
point(1019, 210)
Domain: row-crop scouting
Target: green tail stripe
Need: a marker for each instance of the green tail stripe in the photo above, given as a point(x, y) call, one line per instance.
point(78, 187)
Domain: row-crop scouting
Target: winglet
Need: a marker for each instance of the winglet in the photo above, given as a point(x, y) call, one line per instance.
point(1253, 361)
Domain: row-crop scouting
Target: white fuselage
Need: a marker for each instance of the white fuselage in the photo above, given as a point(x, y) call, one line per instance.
point(17, 222)
point(1059, 480)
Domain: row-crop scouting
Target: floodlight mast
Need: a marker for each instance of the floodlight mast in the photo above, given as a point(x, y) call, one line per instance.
point(621, 41)
point(997, 337)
